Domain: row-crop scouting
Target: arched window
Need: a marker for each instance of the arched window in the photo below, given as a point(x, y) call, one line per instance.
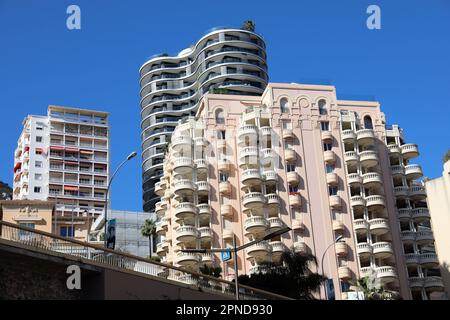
point(368, 122)
point(322, 106)
point(220, 118)
point(284, 105)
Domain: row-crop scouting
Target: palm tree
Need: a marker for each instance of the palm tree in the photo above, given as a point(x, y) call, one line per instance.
point(373, 290)
point(249, 25)
point(292, 277)
point(446, 156)
point(148, 229)
point(211, 271)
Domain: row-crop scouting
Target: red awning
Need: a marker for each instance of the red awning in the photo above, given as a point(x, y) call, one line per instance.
point(57, 148)
point(72, 149)
point(17, 166)
point(27, 148)
point(40, 149)
point(71, 188)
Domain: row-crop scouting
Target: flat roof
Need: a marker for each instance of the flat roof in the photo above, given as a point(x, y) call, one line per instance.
point(77, 110)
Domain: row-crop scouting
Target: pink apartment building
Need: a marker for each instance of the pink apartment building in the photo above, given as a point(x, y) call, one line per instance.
point(298, 157)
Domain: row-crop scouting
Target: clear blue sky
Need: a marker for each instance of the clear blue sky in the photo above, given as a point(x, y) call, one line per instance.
point(405, 65)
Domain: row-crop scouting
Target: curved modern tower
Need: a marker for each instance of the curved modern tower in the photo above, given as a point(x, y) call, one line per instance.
point(225, 60)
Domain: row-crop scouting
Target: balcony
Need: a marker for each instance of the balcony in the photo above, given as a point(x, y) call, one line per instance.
point(429, 260)
point(408, 236)
point(266, 131)
point(412, 259)
point(365, 136)
point(200, 142)
point(394, 149)
point(292, 177)
point(278, 248)
point(185, 210)
point(338, 225)
point(386, 274)
point(327, 136)
point(341, 249)
point(207, 258)
point(375, 201)
point(201, 164)
point(227, 234)
point(360, 226)
point(416, 283)
point(223, 165)
point(420, 214)
point(160, 207)
point(250, 177)
point(295, 199)
point(401, 191)
point(247, 133)
point(363, 249)
point(397, 170)
point(332, 178)
point(204, 210)
point(160, 230)
point(344, 273)
point(365, 271)
point(372, 179)
point(409, 151)
point(351, 157)
point(298, 224)
point(180, 143)
point(404, 213)
point(202, 187)
point(329, 156)
point(382, 249)
point(248, 156)
point(259, 251)
point(300, 247)
point(275, 223)
point(368, 158)
point(354, 178)
point(256, 225)
point(183, 165)
point(205, 233)
point(225, 187)
point(159, 189)
point(357, 202)
point(267, 156)
point(186, 234)
point(270, 176)
point(348, 135)
point(184, 187)
point(160, 251)
point(413, 171)
point(335, 201)
point(433, 284)
point(289, 155)
point(379, 226)
point(253, 200)
point(417, 192)
point(424, 237)
point(187, 259)
point(272, 200)
point(288, 134)
point(226, 210)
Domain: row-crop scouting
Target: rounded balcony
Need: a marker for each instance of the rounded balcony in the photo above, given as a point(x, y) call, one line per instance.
point(183, 165)
point(360, 225)
point(186, 233)
point(187, 259)
point(205, 233)
point(160, 207)
point(227, 234)
point(357, 202)
point(259, 251)
point(292, 177)
point(272, 200)
point(372, 179)
point(270, 176)
point(327, 136)
point(200, 142)
point(255, 225)
point(275, 223)
point(278, 248)
point(160, 251)
point(394, 149)
point(424, 237)
point(338, 225)
point(223, 165)
point(412, 259)
point(266, 131)
point(386, 274)
point(289, 155)
point(365, 136)
point(354, 178)
point(332, 178)
point(408, 236)
point(250, 177)
point(368, 158)
point(226, 210)
point(351, 158)
point(344, 273)
point(375, 201)
point(341, 249)
point(335, 201)
point(204, 210)
point(364, 249)
point(416, 283)
point(401, 192)
point(247, 133)
point(413, 171)
point(181, 143)
point(409, 151)
point(225, 187)
point(382, 249)
point(159, 190)
point(161, 228)
point(404, 214)
point(248, 156)
point(295, 199)
point(253, 200)
point(365, 271)
point(433, 284)
point(420, 214)
point(298, 224)
point(397, 170)
point(348, 135)
point(379, 226)
point(288, 134)
point(267, 156)
point(417, 192)
point(329, 156)
point(207, 258)
point(184, 187)
point(429, 260)
point(300, 247)
point(202, 187)
point(201, 164)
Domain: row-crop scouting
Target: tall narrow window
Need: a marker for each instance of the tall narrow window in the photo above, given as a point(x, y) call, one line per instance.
point(327, 146)
point(325, 126)
point(221, 134)
point(329, 168)
point(368, 122)
point(322, 106)
point(220, 118)
point(284, 105)
point(333, 190)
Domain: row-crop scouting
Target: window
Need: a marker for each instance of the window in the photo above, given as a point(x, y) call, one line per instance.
point(293, 188)
point(290, 167)
point(368, 122)
point(329, 168)
point(39, 126)
point(333, 190)
point(38, 151)
point(223, 177)
point(287, 125)
point(38, 176)
point(37, 189)
point(38, 138)
point(38, 164)
point(322, 106)
point(327, 146)
point(66, 231)
point(26, 235)
point(325, 126)
point(221, 134)
point(284, 106)
point(220, 118)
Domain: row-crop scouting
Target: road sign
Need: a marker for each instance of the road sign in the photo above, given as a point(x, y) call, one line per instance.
point(225, 255)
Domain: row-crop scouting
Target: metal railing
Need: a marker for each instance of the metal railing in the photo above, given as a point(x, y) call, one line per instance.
point(107, 257)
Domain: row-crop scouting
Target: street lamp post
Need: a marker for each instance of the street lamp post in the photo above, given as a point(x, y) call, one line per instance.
point(236, 249)
point(130, 156)
point(338, 239)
